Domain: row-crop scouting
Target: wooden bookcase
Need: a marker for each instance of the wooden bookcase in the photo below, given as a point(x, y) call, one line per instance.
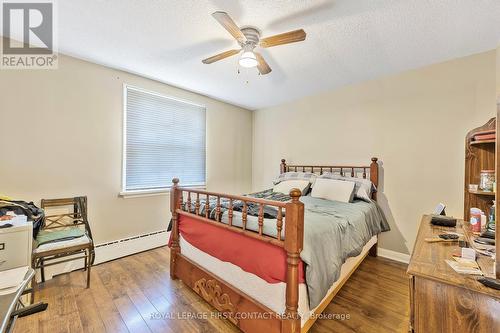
point(478, 156)
point(497, 235)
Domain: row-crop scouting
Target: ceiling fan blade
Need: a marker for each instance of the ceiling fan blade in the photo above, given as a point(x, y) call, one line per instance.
point(227, 22)
point(220, 56)
point(263, 67)
point(285, 38)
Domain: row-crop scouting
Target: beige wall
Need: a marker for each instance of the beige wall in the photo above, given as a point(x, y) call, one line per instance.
point(415, 122)
point(498, 71)
point(61, 132)
point(64, 131)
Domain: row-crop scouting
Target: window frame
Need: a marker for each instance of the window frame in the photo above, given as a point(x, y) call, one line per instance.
point(156, 191)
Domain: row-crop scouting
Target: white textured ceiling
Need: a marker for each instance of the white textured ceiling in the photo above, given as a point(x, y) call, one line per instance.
point(347, 41)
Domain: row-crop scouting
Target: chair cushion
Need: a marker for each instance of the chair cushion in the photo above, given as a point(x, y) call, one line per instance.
point(63, 244)
point(48, 240)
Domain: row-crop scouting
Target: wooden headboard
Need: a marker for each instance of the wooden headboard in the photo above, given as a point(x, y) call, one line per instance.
point(349, 170)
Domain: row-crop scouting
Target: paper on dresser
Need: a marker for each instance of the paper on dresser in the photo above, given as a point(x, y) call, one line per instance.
point(467, 267)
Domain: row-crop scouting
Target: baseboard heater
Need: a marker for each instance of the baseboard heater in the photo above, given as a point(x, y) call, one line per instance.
point(114, 250)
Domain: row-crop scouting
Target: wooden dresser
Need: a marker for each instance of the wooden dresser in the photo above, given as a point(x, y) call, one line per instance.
point(442, 300)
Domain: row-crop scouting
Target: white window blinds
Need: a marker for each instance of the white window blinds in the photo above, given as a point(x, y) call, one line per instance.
point(164, 138)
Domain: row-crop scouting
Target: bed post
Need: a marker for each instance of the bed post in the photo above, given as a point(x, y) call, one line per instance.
point(374, 175)
point(374, 179)
point(175, 248)
point(294, 240)
point(283, 166)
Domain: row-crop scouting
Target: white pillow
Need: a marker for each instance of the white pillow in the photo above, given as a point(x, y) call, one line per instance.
point(333, 189)
point(363, 188)
point(287, 185)
point(294, 175)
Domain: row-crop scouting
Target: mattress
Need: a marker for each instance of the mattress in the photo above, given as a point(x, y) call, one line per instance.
point(333, 232)
point(272, 295)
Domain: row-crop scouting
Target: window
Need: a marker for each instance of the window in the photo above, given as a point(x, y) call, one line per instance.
point(163, 138)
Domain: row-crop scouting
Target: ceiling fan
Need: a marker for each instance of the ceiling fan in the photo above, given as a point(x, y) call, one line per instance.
point(249, 39)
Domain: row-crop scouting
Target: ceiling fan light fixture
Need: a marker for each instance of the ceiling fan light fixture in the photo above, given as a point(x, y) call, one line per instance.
point(248, 59)
point(249, 38)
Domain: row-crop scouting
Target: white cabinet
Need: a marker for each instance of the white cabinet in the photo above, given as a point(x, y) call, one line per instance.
point(15, 245)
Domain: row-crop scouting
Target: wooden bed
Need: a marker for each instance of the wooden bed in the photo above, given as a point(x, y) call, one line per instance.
point(230, 301)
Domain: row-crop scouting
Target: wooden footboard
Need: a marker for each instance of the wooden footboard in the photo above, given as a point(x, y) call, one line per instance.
point(241, 309)
point(219, 293)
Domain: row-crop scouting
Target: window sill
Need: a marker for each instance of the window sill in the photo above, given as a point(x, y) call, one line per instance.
point(151, 193)
point(144, 193)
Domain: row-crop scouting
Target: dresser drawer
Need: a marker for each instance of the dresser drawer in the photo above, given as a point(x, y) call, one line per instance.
point(411, 285)
point(15, 246)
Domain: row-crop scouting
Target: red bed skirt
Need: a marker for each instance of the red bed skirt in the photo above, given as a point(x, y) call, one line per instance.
point(265, 260)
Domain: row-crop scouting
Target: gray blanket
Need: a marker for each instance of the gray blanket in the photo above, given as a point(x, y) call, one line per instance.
point(333, 231)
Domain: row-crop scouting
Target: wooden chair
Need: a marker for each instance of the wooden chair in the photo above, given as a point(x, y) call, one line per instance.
point(63, 235)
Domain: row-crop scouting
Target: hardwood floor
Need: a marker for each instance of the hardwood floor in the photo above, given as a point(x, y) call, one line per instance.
point(135, 294)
